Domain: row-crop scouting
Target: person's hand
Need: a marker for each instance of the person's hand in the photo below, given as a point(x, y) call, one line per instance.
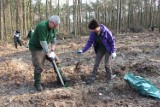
point(114, 56)
point(52, 55)
point(79, 51)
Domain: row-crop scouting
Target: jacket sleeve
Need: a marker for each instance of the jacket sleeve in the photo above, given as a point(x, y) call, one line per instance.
point(89, 43)
point(111, 40)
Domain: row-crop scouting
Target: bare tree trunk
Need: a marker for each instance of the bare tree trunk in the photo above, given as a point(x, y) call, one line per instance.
point(21, 17)
point(68, 17)
point(159, 14)
point(141, 17)
point(155, 12)
point(79, 17)
point(10, 18)
point(105, 15)
point(17, 20)
point(4, 21)
point(97, 11)
point(146, 14)
point(58, 13)
point(86, 15)
point(1, 37)
point(131, 15)
point(47, 9)
point(75, 18)
point(128, 21)
point(58, 8)
point(24, 15)
point(117, 22)
point(120, 6)
point(39, 10)
point(30, 15)
point(50, 7)
point(150, 14)
point(28, 7)
point(112, 20)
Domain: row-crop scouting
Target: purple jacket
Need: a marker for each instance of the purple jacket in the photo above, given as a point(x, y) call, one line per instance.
point(107, 39)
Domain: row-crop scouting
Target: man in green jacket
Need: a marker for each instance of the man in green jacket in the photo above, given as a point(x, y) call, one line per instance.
point(44, 34)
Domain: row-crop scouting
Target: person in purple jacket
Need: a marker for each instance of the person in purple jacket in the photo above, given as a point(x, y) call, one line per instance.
point(104, 44)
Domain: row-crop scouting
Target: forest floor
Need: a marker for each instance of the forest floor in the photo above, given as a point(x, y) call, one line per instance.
point(136, 52)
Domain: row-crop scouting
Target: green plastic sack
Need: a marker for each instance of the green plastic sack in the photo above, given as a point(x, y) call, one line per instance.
point(143, 86)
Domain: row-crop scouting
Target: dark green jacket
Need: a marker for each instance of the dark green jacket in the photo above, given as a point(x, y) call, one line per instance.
point(41, 33)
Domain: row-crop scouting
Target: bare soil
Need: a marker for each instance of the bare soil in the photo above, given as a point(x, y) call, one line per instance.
point(138, 53)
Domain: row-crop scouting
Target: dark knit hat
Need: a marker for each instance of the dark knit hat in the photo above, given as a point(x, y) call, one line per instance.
point(93, 24)
point(17, 31)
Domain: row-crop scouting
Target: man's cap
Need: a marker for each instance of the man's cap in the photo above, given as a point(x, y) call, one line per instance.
point(54, 19)
point(93, 24)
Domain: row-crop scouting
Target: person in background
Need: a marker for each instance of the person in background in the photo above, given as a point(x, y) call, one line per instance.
point(153, 27)
point(17, 38)
point(104, 45)
point(29, 35)
point(44, 36)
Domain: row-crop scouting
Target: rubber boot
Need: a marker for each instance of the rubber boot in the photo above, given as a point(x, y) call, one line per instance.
point(37, 83)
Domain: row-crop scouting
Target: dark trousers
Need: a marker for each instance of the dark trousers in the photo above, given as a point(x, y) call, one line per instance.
point(38, 60)
point(17, 40)
point(99, 56)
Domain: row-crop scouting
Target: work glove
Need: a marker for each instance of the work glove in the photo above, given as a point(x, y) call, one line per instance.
point(79, 51)
point(113, 56)
point(52, 55)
